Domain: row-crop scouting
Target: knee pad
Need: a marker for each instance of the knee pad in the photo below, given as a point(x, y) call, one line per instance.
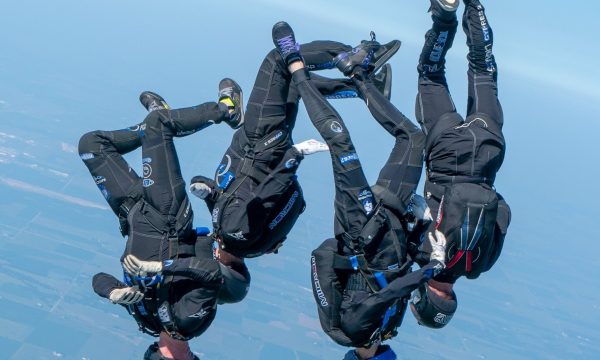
point(89, 143)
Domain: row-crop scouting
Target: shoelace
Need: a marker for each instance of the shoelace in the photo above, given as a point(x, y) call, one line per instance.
point(226, 92)
point(287, 44)
point(367, 60)
point(154, 105)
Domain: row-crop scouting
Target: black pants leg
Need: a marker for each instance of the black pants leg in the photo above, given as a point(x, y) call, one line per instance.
point(433, 98)
point(267, 105)
point(353, 198)
point(402, 171)
point(164, 187)
point(101, 152)
point(483, 71)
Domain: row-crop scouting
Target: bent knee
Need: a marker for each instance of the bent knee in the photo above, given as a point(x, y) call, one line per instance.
point(273, 55)
point(90, 142)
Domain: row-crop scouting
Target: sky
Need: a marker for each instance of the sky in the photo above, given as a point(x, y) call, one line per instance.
point(68, 67)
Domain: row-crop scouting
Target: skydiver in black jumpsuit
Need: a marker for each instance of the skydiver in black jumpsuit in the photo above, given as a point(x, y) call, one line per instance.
point(462, 155)
point(172, 283)
point(361, 278)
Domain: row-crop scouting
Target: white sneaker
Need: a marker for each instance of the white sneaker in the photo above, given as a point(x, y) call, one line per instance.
point(311, 146)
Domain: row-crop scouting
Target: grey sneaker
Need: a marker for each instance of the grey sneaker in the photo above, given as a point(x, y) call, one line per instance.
point(444, 10)
point(230, 90)
point(153, 101)
point(370, 55)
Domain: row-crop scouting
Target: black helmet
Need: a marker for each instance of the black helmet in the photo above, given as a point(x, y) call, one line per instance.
point(430, 309)
point(235, 285)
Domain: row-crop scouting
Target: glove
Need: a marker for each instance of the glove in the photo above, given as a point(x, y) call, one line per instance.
point(137, 267)
point(311, 146)
point(437, 244)
point(125, 296)
point(200, 189)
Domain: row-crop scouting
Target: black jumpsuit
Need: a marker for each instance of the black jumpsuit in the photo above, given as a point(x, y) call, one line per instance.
point(156, 214)
point(461, 150)
point(350, 311)
point(258, 197)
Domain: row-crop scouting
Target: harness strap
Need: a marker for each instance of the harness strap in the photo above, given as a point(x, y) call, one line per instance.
point(124, 210)
point(165, 312)
point(246, 167)
point(154, 313)
point(143, 311)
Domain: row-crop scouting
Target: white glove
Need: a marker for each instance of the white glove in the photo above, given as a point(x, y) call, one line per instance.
point(126, 296)
point(200, 189)
point(311, 146)
point(438, 247)
point(137, 267)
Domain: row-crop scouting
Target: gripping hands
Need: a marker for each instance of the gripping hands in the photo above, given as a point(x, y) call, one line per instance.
point(126, 296)
point(137, 267)
point(434, 246)
point(200, 189)
point(437, 244)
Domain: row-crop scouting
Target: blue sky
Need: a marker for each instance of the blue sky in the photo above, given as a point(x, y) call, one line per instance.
point(68, 67)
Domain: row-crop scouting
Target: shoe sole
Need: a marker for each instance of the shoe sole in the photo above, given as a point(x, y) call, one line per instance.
point(377, 65)
point(445, 5)
point(241, 107)
point(241, 103)
point(387, 87)
point(154, 96)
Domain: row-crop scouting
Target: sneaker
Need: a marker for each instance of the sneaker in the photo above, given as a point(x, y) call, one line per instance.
point(153, 101)
point(230, 93)
point(309, 147)
point(385, 52)
point(285, 42)
point(369, 55)
point(444, 10)
point(383, 81)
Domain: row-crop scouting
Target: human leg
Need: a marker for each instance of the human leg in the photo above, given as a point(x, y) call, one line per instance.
point(483, 71)
point(102, 152)
point(267, 107)
point(354, 200)
point(402, 171)
point(164, 187)
point(433, 98)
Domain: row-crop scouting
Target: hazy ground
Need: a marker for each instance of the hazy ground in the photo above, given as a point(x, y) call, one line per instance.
point(68, 67)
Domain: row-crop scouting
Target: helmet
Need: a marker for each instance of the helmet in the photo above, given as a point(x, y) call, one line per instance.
point(235, 285)
point(430, 309)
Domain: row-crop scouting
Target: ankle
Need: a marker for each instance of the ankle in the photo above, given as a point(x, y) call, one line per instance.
point(225, 106)
point(295, 65)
